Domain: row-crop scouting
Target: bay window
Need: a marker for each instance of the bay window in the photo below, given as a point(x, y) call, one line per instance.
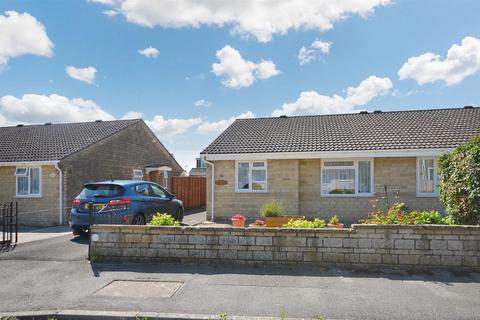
point(28, 181)
point(251, 176)
point(427, 179)
point(347, 177)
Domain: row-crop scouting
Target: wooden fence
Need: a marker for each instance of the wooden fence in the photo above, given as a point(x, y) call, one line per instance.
point(191, 190)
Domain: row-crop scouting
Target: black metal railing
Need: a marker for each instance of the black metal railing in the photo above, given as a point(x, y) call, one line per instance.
point(9, 223)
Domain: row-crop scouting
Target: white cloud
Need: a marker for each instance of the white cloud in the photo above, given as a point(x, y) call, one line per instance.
point(132, 115)
point(81, 74)
point(170, 127)
point(218, 126)
point(462, 61)
point(240, 73)
point(104, 2)
point(110, 13)
point(310, 102)
point(34, 108)
point(20, 34)
point(308, 54)
point(202, 103)
point(149, 52)
point(260, 19)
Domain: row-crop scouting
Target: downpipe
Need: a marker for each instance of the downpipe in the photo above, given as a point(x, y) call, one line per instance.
point(213, 188)
point(60, 193)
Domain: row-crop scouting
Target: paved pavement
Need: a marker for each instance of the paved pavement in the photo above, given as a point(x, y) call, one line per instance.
point(54, 274)
point(35, 234)
point(195, 217)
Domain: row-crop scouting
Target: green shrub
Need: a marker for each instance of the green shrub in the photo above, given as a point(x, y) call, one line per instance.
point(163, 219)
point(393, 215)
point(460, 182)
point(305, 224)
point(428, 217)
point(271, 209)
point(334, 220)
point(398, 214)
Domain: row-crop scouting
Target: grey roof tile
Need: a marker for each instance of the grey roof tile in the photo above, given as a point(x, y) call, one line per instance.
point(416, 129)
point(55, 141)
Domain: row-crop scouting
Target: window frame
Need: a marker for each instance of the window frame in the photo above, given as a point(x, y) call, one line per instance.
point(135, 177)
point(28, 176)
point(433, 194)
point(355, 167)
point(250, 181)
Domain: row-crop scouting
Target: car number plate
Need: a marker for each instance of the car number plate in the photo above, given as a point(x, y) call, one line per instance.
point(98, 206)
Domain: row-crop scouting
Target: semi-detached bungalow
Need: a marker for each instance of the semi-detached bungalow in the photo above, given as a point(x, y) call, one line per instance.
point(43, 167)
point(333, 164)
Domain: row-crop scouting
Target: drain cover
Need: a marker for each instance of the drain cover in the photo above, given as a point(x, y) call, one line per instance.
point(140, 289)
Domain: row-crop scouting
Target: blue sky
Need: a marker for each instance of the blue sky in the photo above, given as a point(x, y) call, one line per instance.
point(367, 46)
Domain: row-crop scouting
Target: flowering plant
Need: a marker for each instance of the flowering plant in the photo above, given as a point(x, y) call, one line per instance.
point(238, 217)
point(259, 222)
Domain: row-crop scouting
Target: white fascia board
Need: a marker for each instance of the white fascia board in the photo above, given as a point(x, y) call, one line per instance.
point(330, 154)
point(29, 163)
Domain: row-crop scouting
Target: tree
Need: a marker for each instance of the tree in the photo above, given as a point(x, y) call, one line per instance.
point(459, 188)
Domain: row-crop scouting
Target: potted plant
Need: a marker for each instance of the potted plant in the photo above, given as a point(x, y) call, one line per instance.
point(272, 212)
point(258, 223)
point(335, 222)
point(238, 221)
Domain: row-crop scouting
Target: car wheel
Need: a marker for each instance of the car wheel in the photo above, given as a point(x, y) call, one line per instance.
point(79, 232)
point(179, 214)
point(138, 219)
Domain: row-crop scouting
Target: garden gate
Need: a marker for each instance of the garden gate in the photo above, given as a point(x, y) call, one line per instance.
point(9, 223)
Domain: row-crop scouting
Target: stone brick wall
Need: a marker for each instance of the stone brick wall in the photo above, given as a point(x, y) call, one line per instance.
point(455, 247)
point(296, 184)
point(33, 211)
point(115, 158)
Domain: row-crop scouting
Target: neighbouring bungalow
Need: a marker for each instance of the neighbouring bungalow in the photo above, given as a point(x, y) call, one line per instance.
point(43, 167)
point(333, 164)
point(200, 170)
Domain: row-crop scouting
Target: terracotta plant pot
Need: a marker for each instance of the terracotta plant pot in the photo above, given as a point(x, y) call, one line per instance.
point(275, 222)
point(238, 223)
point(336, 226)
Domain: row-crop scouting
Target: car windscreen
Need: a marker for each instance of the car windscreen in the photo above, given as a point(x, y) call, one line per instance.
point(101, 191)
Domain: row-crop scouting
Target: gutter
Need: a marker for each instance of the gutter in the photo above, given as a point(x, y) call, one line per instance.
point(213, 188)
point(29, 163)
point(60, 194)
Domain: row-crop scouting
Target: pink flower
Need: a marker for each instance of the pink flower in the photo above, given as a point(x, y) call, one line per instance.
point(238, 217)
point(259, 222)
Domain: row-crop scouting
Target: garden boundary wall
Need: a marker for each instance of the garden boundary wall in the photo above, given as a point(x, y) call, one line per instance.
point(408, 246)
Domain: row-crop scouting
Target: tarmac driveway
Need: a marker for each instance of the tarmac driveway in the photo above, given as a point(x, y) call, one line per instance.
point(53, 274)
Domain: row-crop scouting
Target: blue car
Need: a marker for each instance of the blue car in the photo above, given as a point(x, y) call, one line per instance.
point(121, 202)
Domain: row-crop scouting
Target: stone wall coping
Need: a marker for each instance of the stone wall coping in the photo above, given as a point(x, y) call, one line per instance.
point(136, 228)
point(415, 226)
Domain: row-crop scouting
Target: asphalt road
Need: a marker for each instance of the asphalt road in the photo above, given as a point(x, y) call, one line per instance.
point(54, 274)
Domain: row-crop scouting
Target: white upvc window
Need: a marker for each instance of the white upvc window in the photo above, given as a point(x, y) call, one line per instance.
point(347, 178)
point(251, 176)
point(427, 178)
point(28, 181)
point(137, 174)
